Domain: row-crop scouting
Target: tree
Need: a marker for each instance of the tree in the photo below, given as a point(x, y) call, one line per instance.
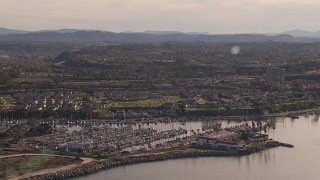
point(265, 128)
point(253, 124)
point(244, 134)
point(88, 106)
point(217, 127)
point(192, 131)
point(259, 124)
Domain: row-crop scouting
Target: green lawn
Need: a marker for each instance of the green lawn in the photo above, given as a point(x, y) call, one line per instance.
point(81, 83)
point(204, 109)
point(255, 144)
point(147, 102)
point(168, 61)
point(94, 83)
point(120, 84)
point(216, 109)
point(40, 74)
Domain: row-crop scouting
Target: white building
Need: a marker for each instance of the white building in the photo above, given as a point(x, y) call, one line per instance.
point(217, 144)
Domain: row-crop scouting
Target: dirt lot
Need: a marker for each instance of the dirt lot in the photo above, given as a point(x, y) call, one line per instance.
point(16, 166)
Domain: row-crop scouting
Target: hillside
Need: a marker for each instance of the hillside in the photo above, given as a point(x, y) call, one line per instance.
point(5, 31)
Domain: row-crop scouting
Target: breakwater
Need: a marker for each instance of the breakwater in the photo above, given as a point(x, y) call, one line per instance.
point(96, 166)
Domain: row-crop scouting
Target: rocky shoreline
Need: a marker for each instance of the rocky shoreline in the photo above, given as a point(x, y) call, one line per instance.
point(96, 166)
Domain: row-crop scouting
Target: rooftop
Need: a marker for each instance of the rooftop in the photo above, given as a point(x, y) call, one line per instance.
point(220, 136)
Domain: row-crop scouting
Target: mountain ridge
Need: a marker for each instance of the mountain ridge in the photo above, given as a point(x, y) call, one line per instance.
point(294, 33)
point(303, 33)
point(78, 35)
point(5, 31)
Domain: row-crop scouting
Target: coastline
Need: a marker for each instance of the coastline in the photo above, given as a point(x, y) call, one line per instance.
point(100, 165)
point(106, 164)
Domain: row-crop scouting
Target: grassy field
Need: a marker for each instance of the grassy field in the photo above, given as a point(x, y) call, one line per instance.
point(168, 61)
point(114, 84)
point(147, 102)
point(5, 102)
point(17, 166)
point(216, 109)
point(80, 83)
point(258, 144)
point(204, 109)
point(119, 84)
point(40, 74)
point(32, 80)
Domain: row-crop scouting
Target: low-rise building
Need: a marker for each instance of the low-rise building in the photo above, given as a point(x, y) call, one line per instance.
point(218, 144)
point(79, 146)
point(255, 137)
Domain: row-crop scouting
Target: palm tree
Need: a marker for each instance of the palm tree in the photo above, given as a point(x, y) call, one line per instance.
point(265, 128)
point(253, 125)
point(217, 127)
point(259, 123)
point(185, 133)
point(192, 131)
point(268, 127)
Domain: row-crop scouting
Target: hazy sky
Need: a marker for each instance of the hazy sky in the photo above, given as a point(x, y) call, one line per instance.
point(215, 16)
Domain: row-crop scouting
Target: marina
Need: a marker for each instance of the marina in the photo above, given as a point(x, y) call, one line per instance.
point(296, 163)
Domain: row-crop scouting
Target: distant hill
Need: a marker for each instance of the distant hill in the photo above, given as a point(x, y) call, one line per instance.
point(302, 33)
point(74, 35)
point(64, 30)
point(111, 37)
point(175, 32)
point(5, 31)
point(162, 32)
point(79, 35)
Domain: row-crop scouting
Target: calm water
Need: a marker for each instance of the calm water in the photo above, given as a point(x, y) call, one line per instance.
point(299, 163)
